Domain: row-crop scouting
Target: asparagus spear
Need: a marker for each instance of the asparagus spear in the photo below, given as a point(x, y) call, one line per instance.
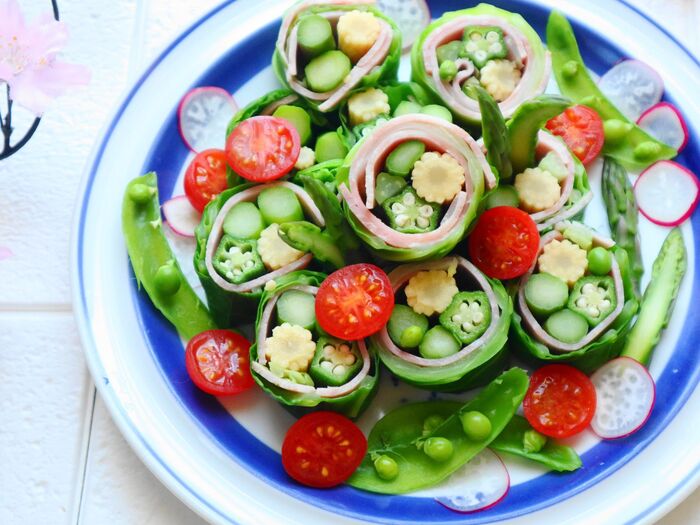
point(622, 215)
point(659, 297)
point(494, 132)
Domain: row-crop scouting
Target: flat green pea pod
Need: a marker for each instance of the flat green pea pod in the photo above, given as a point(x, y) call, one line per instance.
point(520, 439)
point(477, 319)
point(562, 333)
point(294, 365)
point(307, 237)
point(625, 142)
point(402, 436)
point(520, 75)
point(286, 104)
point(233, 299)
point(153, 262)
point(326, 79)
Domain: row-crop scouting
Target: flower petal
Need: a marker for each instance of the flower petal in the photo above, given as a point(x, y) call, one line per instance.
point(36, 88)
point(11, 19)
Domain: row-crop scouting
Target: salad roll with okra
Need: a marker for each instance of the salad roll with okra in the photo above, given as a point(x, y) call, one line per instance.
point(449, 325)
point(325, 49)
point(412, 187)
point(484, 46)
point(577, 301)
point(297, 362)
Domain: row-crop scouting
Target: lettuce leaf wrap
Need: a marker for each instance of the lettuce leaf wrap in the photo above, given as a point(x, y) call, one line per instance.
point(604, 300)
point(379, 63)
point(521, 58)
point(359, 179)
point(479, 360)
point(231, 303)
point(297, 389)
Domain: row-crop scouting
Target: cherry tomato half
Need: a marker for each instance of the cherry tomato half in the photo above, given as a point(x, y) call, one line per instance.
point(262, 149)
point(218, 362)
point(582, 130)
point(560, 401)
point(504, 242)
point(354, 302)
point(323, 449)
point(205, 177)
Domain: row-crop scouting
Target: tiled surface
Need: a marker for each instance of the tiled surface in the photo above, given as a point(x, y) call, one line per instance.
point(46, 400)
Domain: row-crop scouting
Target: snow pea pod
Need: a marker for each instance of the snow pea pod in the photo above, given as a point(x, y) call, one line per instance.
point(626, 142)
point(514, 440)
point(307, 237)
point(402, 434)
point(153, 262)
point(494, 132)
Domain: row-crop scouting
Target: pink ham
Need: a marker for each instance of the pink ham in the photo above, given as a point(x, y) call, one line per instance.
point(323, 392)
point(271, 108)
point(401, 275)
point(217, 231)
point(519, 50)
point(534, 326)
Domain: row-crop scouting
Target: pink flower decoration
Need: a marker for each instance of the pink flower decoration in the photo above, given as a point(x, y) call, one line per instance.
point(28, 59)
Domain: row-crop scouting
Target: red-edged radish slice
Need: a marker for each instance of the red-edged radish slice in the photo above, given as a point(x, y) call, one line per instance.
point(632, 86)
point(664, 122)
point(203, 115)
point(667, 193)
point(625, 396)
point(181, 216)
point(412, 16)
point(5, 253)
point(478, 485)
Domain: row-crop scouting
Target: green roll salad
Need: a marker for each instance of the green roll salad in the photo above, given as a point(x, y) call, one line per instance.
point(484, 46)
point(325, 49)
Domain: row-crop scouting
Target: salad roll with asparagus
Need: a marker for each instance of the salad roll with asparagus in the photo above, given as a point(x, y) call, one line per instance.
point(449, 325)
point(326, 48)
point(577, 301)
point(412, 188)
point(485, 46)
point(299, 364)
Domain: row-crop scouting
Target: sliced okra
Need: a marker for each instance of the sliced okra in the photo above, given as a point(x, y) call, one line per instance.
point(408, 213)
point(335, 362)
point(594, 298)
point(468, 316)
point(237, 260)
point(484, 43)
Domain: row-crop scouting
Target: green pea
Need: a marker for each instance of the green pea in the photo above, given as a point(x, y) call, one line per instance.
point(167, 279)
point(386, 467)
point(411, 337)
point(141, 193)
point(438, 449)
point(599, 261)
point(448, 70)
point(533, 441)
point(592, 101)
point(646, 150)
point(431, 423)
point(476, 425)
point(615, 130)
point(569, 69)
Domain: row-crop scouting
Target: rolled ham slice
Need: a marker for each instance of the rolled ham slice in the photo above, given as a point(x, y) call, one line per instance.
point(217, 231)
point(288, 50)
point(401, 275)
point(532, 82)
point(438, 135)
point(260, 365)
point(533, 324)
point(271, 108)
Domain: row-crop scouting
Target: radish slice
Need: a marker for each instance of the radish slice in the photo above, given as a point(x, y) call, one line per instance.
point(625, 394)
point(632, 86)
point(181, 216)
point(203, 115)
point(667, 193)
point(412, 16)
point(479, 485)
point(665, 123)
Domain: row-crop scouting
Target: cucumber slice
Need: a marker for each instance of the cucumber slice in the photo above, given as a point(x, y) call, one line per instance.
point(298, 118)
point(566, 326)
point(297, 308)
point(279, 205)
point(545, 294)
point(244, 221)
point(401, 160)
point(315, 35)
point(503, 196)
point(330, 146)
point(327, 71)
point(406, 107)
point(438, 342)
point(406, 328)
point(435, 110)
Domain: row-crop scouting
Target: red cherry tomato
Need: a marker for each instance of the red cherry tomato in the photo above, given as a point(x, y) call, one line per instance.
point(323, 449)
point(504, 242)
point(560, 401)
point(262, 149)
point(582, 130)
point(205, 177)
point(218, 362)
point(354, 302)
